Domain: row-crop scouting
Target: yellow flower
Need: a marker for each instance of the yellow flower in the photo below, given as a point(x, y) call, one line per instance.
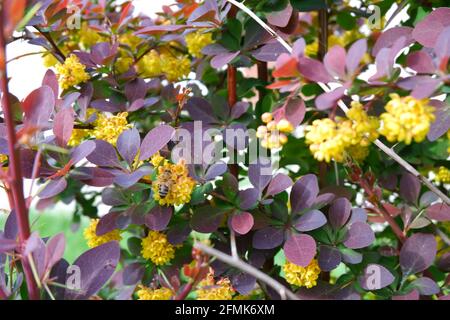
point(175, 68)
point(150, 65)
point(123, 64)
point(302, 276)
point(94, 240)
point(110, 128)
point(157, 248)
point(78, 136)
point(328, 139)
point(156, 159)
point(72, 72)
point(162, 293)
point(175, 177)
point(196, 41)
point(406, 119)
point(3, 158)
point(208, 289)
point(49, 60)
point(443, 175)
point(130, 40)
point(89, 36)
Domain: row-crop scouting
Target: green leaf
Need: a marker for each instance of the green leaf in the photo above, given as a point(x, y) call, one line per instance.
point(346, 20)
point(309, 5)
point(234, 27)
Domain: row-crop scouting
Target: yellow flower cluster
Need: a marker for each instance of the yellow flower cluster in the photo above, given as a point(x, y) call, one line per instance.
point(173, 67)
point(123, 64)
point(443, 175)
point(71, 73)
point(302, 276)
point(130, 40)
point(162, 293)
point(273, 134)
point(3, 158)
point(94, 240)
point(175, 178)
point(88, 36)
point(406, 119)
point(78, 136)
point(157, 248)
point(49, 60)
point(328, 139)
point(156, 159)
point(110, 128)
point(208, 289)
point(196, 41)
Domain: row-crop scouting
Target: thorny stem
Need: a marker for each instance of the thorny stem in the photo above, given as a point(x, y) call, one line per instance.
point(391, 153)
point(15, 172)
point(238, 263)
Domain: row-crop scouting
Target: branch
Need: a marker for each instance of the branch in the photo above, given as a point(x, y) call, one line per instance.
point(391, 153)
point(238, 263)
point(15, 171)
point(55, 47)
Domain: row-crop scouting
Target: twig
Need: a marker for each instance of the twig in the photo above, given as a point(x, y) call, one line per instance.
point(400, 7)
point(238, 263)
point(15, 171)
point(234, 252)
point(391, 153)
point(52, 43)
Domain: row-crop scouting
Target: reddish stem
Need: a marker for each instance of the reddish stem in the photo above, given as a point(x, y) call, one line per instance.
point(15, 181)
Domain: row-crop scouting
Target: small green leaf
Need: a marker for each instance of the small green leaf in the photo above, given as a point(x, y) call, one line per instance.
point(346, 20)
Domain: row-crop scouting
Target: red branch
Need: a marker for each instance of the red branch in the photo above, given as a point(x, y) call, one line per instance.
point(15, 180)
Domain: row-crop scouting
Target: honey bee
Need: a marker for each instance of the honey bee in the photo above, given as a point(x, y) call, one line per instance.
point(165, 182)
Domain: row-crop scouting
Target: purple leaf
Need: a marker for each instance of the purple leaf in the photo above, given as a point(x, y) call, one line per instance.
point(313, 70)
point(329, 258)
point(375, 277)
point(333, 62)
point(323, 199)
point(409, 187)
point(243, 283)
point(6, 244)
point(418, 253)
point(107, 223)
point(133, 273)
point(388, 37)
point(294, 111)
point(178, 234)
point(304, 192)
point(439, 212)
point(328, 100)
point(359, 235)
point(413, 295)
point(223, 59)
point(442, 123)
point(54, 250)
point(358, 214)
point(96, 266)
point(214, 49)
point(158, 218)
point(426, 286)
point(268, 238)
point(280, 18)
point(11, 226)
point(155, 140)
point(310, 220)
point(442, 45)
point(82, 151)
point(107, 106)
point(339, 212)
point(157, 29)
point(269, 52)
point(206, 219)
point(104, 155)
point(239, 109)
point(351, 256)
point(217, 169)
point(53, 188)
point(427, 31)
point(113, 197)
point(248, 198)
point(51, 81)
point(127, 180)
point(300, 249)
point(136, 90)
point(278, 184)
point(354, 55)
point(260, 173)
point(38, 106)
point(200, 109)
point(242, 222)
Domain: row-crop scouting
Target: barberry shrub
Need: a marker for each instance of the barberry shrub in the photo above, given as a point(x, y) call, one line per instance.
point(305, 141)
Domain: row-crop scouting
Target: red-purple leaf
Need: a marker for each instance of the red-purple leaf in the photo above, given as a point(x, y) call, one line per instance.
point(388, 37)
point(248, 198)
point(206, 219)
point(427, 31)
point(421, 62)
point(413, 295)
point(242, 222)
point(278, 184)
point(107, 223)
point(280, 18)
point(104, 155)
point(333, 61)
point(409, 187)
point(54, 250)
point(418, 253)
point(313, 70)
point(359, 235)
point(133, 273)
point(53, 188)
point(439, 212)
point(38, 106)
point(260, 173)
point(82, 151)
point(63, 125)
point(51, 80)
point(442, 123)
point(223, 59)
point(128, 145)
point(354, 55)
point(155, 140)
point(96, 266)
point(300, 249)
point(328, 100)
point(426, 286)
